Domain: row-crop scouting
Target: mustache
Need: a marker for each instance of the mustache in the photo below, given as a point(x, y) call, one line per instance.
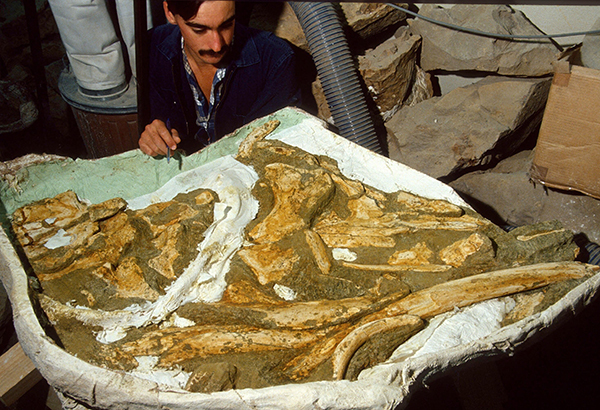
point(211, 53)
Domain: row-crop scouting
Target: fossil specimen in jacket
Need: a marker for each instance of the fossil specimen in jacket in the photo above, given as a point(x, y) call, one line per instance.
point(325, 266)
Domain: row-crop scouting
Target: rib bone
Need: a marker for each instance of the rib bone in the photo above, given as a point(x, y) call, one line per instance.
point(462, 292)
point(447, 296)
point(346, 348)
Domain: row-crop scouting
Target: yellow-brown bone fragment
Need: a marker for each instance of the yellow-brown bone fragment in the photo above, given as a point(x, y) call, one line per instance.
point(398, 268)
point(445, 297)
point(268, 261)
point(356, 233)
point(420, 254)
point(458, 252)
point(344, 351)
point(463, 292)
point(41, 219)
point(364, 207)
point(429, 206)
point(219, 342)
point(319, 251)
point(298, 194)
point(257, 134)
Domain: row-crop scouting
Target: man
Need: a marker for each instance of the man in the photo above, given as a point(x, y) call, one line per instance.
point(210, 75)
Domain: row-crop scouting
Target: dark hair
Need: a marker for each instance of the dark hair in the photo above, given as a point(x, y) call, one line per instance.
point(187, 9)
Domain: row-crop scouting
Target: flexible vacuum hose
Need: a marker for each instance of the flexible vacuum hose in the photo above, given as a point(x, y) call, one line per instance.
point(337, 72)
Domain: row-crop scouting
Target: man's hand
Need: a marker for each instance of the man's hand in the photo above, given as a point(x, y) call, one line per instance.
point(156, 137)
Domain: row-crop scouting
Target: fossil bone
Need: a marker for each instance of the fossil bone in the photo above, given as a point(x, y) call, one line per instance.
point(298, 195)
point(364, 207)
point(525, 238)
point(128, 280)
point(321, 313)
point(344, 351)
point(457, 253)
point(203, 341)
point(34, 223)
point(472, 289)
point(351, 234)
point(353, 189)
point(420, 254)
point(431, 206)
point(257, 134)
point(399, 268)
point(268, 261)
point(450, 295)
point(319, 250)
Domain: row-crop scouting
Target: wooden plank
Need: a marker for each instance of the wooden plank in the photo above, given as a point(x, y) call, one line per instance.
point(19, 375)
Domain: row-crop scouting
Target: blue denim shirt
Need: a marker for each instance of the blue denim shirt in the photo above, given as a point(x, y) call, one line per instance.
point(205, 107)
point(261, 78)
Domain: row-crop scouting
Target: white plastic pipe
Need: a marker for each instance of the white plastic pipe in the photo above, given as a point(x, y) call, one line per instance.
point(126, 19)
point(92, 46)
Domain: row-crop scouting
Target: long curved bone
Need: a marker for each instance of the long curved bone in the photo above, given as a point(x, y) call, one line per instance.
point(463, 292)
point(203, 341)
point(344, 351)
point(322, 313)
point(445, 297)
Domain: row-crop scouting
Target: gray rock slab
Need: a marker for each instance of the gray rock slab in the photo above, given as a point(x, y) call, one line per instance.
point(389, 70)
point(363, 20)
point(368, 20)
point(452, 50)
point(468, 127)
point(280, 19)
point(590, 48)
point(507, 194)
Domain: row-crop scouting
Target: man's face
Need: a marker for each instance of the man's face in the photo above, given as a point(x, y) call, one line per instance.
point(209, 34)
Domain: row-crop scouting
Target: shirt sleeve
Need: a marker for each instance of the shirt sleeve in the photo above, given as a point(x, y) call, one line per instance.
point(282, 87)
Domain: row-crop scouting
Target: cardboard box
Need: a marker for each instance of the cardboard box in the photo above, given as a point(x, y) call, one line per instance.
point(567, 155)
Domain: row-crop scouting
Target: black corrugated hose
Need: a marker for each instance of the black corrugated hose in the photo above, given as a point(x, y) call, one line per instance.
point(337, 71)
